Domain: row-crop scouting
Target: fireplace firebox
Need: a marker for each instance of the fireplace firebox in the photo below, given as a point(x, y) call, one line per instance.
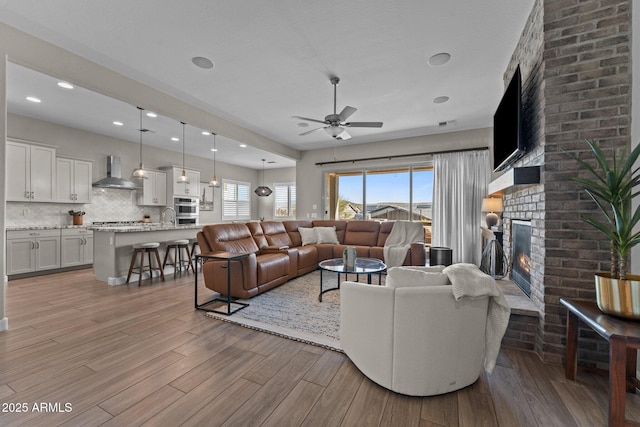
point(521, 254)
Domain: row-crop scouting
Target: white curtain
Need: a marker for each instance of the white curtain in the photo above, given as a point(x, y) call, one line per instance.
point(460, 183)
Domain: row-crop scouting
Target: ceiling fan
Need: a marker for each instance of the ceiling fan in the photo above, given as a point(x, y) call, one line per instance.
point(336, 123)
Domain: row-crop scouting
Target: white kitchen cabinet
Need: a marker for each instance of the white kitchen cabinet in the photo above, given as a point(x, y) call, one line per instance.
point(154, 189)
point(182, 190)
point(32, 250)
point(73, 180)
point(76, 247)
point(32, 171)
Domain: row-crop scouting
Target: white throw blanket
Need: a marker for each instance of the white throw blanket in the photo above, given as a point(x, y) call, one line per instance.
point(469, 282)
point(402, 235)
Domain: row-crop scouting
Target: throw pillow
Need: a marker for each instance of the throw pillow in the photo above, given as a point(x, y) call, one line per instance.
point(308, 236)
point(327, 235)
point(401, 277)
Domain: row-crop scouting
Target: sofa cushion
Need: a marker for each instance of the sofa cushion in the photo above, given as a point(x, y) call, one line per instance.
point(276, 234)
point(385, 230)
point(361, 251)
point(361, 233)
point(402, 277)
point(271, 267)
point(340, 226)
point(326, 235)
point(308, 236)
point(292, 229)
point(235, 238)
point(258, 234)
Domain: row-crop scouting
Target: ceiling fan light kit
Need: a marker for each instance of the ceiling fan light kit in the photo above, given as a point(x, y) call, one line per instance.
point(336, 123)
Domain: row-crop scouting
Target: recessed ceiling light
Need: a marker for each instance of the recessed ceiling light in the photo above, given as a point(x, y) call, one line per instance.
point(243, 145)
point(151, 114)
point(303, 124)
point(117, 123)
point(65, 85)
point(33, 99)
point(439, 59)
point(175, 139)
point(202, 62)
point(214, 149)
point(206, 132)
point(440, 99)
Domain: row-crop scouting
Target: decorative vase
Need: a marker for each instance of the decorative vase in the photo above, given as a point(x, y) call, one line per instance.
point(617, 297)
point(349, 258)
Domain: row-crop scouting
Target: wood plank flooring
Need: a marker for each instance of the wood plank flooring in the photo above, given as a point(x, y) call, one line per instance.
point(128, 356)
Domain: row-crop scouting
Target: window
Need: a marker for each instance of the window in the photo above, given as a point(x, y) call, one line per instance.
point(285, 200)
point(236, 203)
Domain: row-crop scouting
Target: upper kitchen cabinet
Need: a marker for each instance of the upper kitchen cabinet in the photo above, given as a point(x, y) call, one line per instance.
point(192, 189)
point(154, 189)
point(32, 171)
point(73, 180)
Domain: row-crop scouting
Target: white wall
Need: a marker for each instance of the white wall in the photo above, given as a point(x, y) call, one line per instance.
point(309, 176)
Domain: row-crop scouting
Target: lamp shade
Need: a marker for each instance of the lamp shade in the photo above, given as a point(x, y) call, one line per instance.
point(492, 204)
point(263, 191)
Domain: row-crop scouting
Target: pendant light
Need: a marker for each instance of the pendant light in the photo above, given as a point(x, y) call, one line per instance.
point(141, 172)
point(214, 181)
point(263, 190)
point(183, 179)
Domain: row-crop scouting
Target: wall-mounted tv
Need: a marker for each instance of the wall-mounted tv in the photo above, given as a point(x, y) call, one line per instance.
point(508, 142)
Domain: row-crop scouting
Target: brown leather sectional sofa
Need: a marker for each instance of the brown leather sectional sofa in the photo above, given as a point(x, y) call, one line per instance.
point(277, 254)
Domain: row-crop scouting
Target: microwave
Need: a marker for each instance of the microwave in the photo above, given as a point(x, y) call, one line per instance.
point(186, 207)
point(187, 220)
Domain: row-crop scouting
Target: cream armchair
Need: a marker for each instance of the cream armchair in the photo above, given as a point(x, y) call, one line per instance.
point(413, 338)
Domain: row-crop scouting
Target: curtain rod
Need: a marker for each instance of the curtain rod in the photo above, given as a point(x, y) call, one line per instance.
point(398, 156)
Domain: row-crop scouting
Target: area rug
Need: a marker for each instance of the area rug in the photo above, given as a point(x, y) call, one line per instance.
point(292, 310)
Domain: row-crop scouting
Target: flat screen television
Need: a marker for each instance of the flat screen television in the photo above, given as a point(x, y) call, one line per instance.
point(508, 142)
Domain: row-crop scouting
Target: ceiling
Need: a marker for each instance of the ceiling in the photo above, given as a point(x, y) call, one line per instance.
point(273, 60)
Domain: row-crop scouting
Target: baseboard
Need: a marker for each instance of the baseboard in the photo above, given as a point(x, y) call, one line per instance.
point(4, 324)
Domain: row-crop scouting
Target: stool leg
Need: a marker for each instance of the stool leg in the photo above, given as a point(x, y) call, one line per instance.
point(161, 269)
point(166, 255)
point(141, 267)
point(189, 255)
point(133, 262)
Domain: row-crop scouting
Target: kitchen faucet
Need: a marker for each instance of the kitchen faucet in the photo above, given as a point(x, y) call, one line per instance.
point(162, 215)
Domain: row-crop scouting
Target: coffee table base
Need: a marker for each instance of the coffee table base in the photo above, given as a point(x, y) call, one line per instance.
point(347, 277)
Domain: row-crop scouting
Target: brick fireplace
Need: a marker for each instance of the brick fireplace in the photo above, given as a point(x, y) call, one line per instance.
point(575, 62)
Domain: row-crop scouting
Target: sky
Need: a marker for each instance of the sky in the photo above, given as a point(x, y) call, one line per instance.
point(388, 187)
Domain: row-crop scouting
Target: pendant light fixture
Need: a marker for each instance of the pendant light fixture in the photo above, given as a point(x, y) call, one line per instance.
point(141, 172)
point(214, 181)
point(183, 179)
point(263, 190)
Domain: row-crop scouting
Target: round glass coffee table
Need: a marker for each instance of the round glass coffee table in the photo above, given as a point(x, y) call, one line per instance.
point(366, 266)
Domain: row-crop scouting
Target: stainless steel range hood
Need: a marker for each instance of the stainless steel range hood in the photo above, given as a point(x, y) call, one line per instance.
point(114, 176)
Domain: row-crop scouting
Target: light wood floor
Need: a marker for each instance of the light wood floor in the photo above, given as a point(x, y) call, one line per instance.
point(127, 356)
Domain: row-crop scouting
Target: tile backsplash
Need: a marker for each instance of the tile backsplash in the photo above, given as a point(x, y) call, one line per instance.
point(106, 205)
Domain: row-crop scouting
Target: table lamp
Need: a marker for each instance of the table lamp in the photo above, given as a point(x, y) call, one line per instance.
point(492, 205)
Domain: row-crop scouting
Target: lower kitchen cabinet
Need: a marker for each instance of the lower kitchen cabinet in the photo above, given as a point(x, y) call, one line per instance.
point(76, 247)
point(32, 250)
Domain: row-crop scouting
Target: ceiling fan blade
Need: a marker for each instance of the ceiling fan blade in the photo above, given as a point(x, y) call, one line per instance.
point(363, 124)
point(344, 136)
point(310, 131)
point(346, 113)
point(308, 119)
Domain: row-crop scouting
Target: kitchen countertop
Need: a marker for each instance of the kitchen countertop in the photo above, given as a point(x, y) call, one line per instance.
point(43, 227)
point(141, 227)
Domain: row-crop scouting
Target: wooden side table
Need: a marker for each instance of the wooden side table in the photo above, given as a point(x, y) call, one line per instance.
point(624, 341)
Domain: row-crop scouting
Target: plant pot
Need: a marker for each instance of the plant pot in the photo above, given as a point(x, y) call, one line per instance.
point(617, 297)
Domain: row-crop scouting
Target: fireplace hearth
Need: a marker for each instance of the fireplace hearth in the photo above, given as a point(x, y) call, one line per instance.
point(521, 254)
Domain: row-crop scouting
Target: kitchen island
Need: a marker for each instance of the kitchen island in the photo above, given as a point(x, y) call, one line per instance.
point(112, 246)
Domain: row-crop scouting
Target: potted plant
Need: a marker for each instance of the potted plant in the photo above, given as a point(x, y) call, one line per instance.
point(612, 186)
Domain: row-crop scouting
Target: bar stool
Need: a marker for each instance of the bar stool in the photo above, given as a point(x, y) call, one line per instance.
point(142, 248)
point(178, 261)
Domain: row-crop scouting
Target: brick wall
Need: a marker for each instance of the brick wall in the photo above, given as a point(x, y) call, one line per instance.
point(575, 59)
